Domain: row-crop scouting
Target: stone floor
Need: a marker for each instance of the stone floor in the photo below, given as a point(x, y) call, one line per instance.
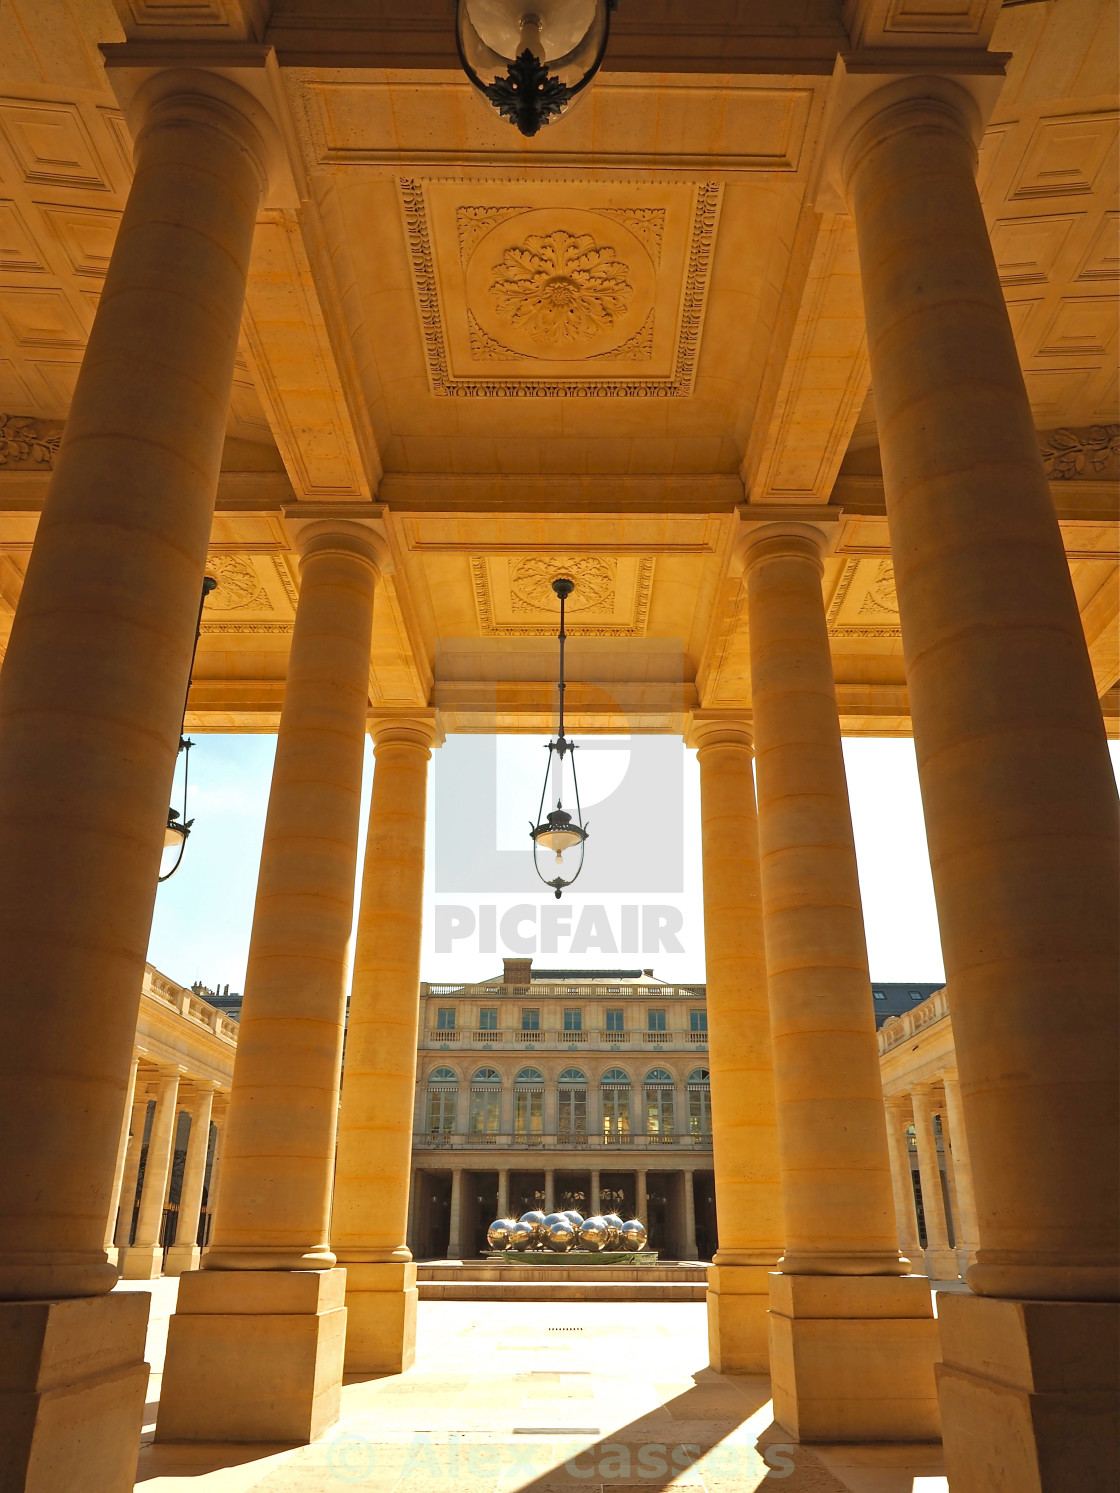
point(540, 1398)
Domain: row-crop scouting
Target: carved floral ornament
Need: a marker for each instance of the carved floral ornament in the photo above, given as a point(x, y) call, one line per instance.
point(24, 441)
point(561, 288)
point(1091, 451)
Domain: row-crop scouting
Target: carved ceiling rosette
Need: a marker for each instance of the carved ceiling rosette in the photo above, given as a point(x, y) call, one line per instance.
point(562, 288)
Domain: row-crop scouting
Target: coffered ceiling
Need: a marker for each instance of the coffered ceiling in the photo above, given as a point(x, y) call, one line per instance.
point(581, 352)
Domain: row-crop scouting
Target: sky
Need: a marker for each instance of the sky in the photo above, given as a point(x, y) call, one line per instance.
point(637, 904)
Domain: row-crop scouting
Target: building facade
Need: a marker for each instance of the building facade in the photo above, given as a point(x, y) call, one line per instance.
point(562, 1089)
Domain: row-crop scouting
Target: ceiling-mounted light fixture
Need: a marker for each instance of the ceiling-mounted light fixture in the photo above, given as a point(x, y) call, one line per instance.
point(557, 832)
point(531, 58)
point(178, 825)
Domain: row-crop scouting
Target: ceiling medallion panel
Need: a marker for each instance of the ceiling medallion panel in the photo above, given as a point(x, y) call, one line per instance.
point(864, 604)
point(561, 289)
point(514, 596)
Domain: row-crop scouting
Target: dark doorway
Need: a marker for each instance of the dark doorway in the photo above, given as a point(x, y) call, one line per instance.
point(573, 1191)
point(480, 1208)
point(435, 1214)
point(526, 1192)
point(660, 1220)
point(616, 1193)
point(704, 1197)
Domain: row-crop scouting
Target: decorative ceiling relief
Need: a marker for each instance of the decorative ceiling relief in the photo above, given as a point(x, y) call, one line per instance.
point(28, 443)
point(514, 596)
point(561, 288)
point(864, 604)
point(1092, 451)
point(253, 595)
point(238, 586)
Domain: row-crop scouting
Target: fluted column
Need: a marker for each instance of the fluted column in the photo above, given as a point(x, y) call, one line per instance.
point(122, 1156)
point(740, 1054)
point(939, 1253)
point(898, 1118)
point(123, 1237)
point(957, 1140)
point(370, 1221)
point(184, 1253)
point(841, 1260)
point(273, 1208)
point(1018, 792)
point(143, 1260)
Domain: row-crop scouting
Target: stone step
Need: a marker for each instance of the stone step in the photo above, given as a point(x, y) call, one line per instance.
point(559, 1290)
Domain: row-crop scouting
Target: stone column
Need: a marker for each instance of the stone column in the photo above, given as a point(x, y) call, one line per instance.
point(641, 1196)
point(957, 1140)
point(218, 1120)
point(91, 701)
point(370, 1219)
point(689, 1199)
point(143, 1260)
point(184, 1253)
point(940, 1257)
point(898, 1108)
point(122, 1156)
point(274, 1208)
point(740, 1054)
point(549, 1191)
point(503, 1191)
point(1017, 787)
point(841, 1264)
point(123, 1237)
point(455, 1239)
point(593, 1192)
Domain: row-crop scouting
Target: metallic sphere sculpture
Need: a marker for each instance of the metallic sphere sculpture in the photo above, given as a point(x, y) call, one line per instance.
point(558, 1232)
point(561, 1232)
point(634, 1234)
point(497, 1235)
point(522, 1235)
point(594, 1233)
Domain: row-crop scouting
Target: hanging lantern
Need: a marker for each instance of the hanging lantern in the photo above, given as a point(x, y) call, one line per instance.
point(178, 825)
point(531, 58)
point(556, 834)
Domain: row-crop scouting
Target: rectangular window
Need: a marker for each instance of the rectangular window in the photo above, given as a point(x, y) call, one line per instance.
point(659, 1112)
point(915, 995)
point(445, 1019)
point(441, 1111)
point(699, 1111)
point(573, 1018)
point(880, 995)
point(530, 1018)
point(573, 1111)
point(656, 1019)
point(616, 1019)
point(486, 1107)
point(698, 1021)
point(616, 1111)
point(528, 1111)
point(488, 1019)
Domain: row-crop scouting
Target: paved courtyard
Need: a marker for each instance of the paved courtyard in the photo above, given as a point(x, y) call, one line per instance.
point(543, 1397)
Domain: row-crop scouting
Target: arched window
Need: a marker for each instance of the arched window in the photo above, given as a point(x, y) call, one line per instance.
point(659, 1106)
point(528, 1103)
point(443, 1100)
point(699, 1103)
point(614, 1093)
point(572, 1106)
point(486, 1102)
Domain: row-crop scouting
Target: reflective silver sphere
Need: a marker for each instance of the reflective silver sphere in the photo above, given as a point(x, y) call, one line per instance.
point(521, 1235)
point(577, 1218)
point(594, 1233)
point(535, 1220)
point(634, 1234)
point(497, 1235)
point(558, 1233)
point(614, 1223)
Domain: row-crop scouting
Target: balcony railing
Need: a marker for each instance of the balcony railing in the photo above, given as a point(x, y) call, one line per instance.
point(602, 1041)
point(558, 1141)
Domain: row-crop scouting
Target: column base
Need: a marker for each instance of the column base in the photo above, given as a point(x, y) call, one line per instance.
point(852, 1357)
point(1028, 1394)
point(181, 1258)
point(738, 1318)
point(254, 1355)
point(72, 1387)
point(142, 1262)
point(942, 1264)
point(381, 1318)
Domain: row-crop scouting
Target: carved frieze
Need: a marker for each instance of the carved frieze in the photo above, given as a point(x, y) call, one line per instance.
point(238, 586)
point(28, 443)
point(1090, 451)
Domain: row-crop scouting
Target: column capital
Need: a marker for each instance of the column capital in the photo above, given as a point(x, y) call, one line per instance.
point(232, 86)
point(420, 728)
point(356, 529)
point(707, 728)
point(900, 1101)
point(953, 88)
point(777, 531)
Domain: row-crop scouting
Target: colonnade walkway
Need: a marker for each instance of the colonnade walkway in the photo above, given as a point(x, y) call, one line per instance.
point(562, 1396)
